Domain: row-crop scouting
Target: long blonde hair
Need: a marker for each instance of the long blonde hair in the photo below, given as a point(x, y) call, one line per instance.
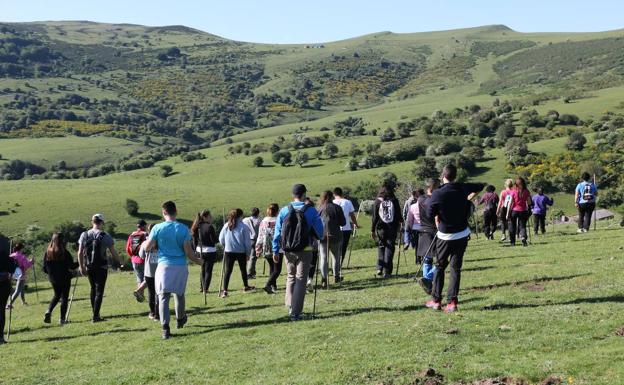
point(509, 183)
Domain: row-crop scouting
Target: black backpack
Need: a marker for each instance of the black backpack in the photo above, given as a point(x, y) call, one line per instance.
point(490, 206)
point(295, 230)
point(588, 192)
point(95, 252)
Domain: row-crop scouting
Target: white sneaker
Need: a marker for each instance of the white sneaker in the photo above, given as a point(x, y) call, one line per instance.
point(579, 231)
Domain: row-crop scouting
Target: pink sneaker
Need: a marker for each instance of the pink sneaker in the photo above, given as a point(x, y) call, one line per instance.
point(451, 306)
point(432, 304)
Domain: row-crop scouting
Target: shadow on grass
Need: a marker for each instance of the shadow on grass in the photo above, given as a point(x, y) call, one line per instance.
point(70, 337)
point(517, 283)
point(369, 283)
point(480, 268)
point(578, 301)
point(197, 310)
point(497, 258)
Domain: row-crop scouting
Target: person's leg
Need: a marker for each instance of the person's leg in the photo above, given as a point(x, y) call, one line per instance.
point(442, 262)
point(152, 298)
point(180, 306)
point(313, 266)
point(581, 216)
point(589, 211)
point(335, 248)
point(19, 288)
point(100, 285)
point(291, 266)
point(5, 291)
point(389, 255)
point(208, 267)
point(242, 261)
point(486, 224)
point(522, 222)
point(56, 297)
point(270, 281)
point(299, 290)
point(251, 264)
point(513, 227)
point(542, 223)
point(92, 281)
point(504, 223)
point(457, 249)
point(346, 237)
point(139, 269)
point(323, 251)
point(277, 269)
point(228, 259)
point(65, 289)
point(163, 308)
point(536, 222)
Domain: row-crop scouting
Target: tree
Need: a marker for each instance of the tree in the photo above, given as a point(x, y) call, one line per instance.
point(355, 151)
point(258, 161)
point(426, 168)
point(282, 157)
point(352, 164)
point(388, 135)
point(576, 141)
point(165, 170)
point(318, 154)
point(516, 147)
point(331, 150)
point(301, 158)
point(132, 207)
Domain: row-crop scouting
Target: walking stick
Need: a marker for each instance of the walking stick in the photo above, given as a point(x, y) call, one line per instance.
point(222, 262)
point(357, 217)
point(10, 318)
point(529, 229)
point(71, 299)
point(201, 255)
point(35, 277)
point(315, 287)
point(595, 213)
point(264, 267)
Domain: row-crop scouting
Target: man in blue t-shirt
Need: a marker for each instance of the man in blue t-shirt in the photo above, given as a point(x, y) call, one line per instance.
point(585, 201)
point(173, 241)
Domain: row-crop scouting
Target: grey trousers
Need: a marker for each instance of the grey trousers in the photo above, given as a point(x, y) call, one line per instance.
point(163, 307)
point(297, 267)
point(19, 291)
point(253, 258)
point(335, 248)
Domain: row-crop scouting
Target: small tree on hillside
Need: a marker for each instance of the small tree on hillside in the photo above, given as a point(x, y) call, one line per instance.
point(258, 161)
point(165, 170)
point(576, 141)
point(301, 158)
point(132, 207)
point(331, 150)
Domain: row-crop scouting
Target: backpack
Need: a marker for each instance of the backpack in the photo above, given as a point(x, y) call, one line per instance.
point(95, 253)
point(386, 211)
point(507, 200)
point(490, 206)
point(268, 232)
point(136, 241)
point(588, 192)
point(331, 224)
point(295, 230)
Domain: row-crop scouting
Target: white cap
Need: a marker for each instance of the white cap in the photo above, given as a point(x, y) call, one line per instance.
point(99, 217)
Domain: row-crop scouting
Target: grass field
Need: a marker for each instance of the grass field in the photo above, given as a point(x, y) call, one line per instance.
point(551, 309)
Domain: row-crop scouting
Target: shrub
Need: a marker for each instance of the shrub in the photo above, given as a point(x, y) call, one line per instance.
point(165, 170)
point(576, 141)
point(132, 207)
point(258, 161)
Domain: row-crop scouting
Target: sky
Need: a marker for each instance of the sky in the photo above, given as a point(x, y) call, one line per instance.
point(282, 21)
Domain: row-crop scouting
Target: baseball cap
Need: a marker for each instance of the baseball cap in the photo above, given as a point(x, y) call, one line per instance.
point(98, 217)
point(141, 223)
point(299, 189)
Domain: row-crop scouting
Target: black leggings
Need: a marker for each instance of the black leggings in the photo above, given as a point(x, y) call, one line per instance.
point(206, 270)
point(5, 290)
point(489, 223)
point(539, 222)
point(385, 253)
point(230, 259)
point(346, 236)
point(275, 269)
point(518, 224)
point(97, 280)
point(61, 293)
point(152, 298)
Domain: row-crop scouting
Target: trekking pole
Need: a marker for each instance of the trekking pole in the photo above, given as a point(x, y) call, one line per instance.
point(476, 223)
point(201, 255)
point(357, 217)
point(399, 255)
point(264, 267)
point(35, 277)
point(316, 270)
point(9, 326)
point(529, 229)
point(595, 212)
point(222, 263)
point(71, 299)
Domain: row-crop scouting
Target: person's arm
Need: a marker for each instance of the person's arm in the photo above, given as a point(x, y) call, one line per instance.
point(317, 223)
point(375, 219)
point(277, 235)
point(342, 221)
point(190, 254)
point(81, 251)
point(129, 246)
point(550, 201)
point(222, 235)
point(247, 241)
point(354, 220)
point(576, 197)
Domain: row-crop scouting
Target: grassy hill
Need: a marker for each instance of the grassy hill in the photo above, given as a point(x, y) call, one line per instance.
point(552, 311)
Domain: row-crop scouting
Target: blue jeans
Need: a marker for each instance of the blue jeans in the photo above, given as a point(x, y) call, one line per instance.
point(428, 268)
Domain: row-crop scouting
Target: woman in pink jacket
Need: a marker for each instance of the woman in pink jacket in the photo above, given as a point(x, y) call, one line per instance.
point(24, 264)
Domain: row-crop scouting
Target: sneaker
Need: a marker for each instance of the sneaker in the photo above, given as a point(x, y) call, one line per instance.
point(585, 230)
point(9, 307)
point(166, 333)
point(387, 275)
point(138, 295)
point(503, 238)
point(181, 322)
point(251, 276)
point(63, 322)
point(296, 317)
point(97, 319)
point(269, 290)
point(379, 273)
point(47, 318)
point(151, 316)
point(580, 231)
point(223, 294)
point(249, 289)
point(426, 285)
point(432, 304)
point(451, 307)
point(524, 243)
point(274, 287)
point(324, 283)
point(310, 288)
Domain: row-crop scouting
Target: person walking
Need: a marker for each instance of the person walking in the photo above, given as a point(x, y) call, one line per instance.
point(172, 239)
point(133, 245)
point(490, 201)
point(410, 238)
point(585, 195)
point(59, 265)
point(149, 274)
point(297, 224)
point(351, 222)
point(385, 227)
point(451, 205)
point(252, 222)
point(264, 244)
point(519, 211)
point(236, 240)
point(541, 202)
point(23, 265)
point(205, 240)
point(92, 247)
point(7, 268)
point(503, 207)
point(413, 224)
point(426, 242)
point(333, 219)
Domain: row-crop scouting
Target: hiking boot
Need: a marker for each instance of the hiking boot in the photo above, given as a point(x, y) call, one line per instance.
point(63, 322)
point(138, 295)
point(151, 316)
point(97, 319)
point(525, 243)
point(251, 276)
point(433, 304)
point(9, 307)
point(296, 317)
point(451, 307)
point(426, 285)
point(274, 287)
point(47, 318)
point(269, 290)
point(223, 294)
point(166, 333)
point(338, 279)
point(181, 322)
point(503, 238)
point(249, 289)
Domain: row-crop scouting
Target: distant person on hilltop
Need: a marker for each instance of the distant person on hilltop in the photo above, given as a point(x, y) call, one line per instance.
point(585, 201)
point(541, 202)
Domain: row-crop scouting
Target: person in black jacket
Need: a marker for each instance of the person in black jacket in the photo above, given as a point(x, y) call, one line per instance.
point(333, 218)
point(451, 205)
point(387, 220)
point(7, 268)
point(426, 237)
point(58, 264)
point(205, 240)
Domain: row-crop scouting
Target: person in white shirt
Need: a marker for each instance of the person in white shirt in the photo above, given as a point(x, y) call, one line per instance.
point(350, 218)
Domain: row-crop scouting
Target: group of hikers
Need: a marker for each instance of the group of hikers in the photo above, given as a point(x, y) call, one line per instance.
point(434, 222)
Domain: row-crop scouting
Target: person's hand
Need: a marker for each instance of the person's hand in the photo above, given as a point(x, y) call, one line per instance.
point(576, 205)
point(374, 236)
point(276, 258)
point(31, 260)
point(356, 226)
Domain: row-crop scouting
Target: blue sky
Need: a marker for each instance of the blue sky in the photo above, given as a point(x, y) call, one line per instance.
point(281, 21)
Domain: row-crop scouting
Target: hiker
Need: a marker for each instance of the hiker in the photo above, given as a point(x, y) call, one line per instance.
point(451, 205)
point(7, 268)
point(236, 240)
point(296, 226)
point(490, 219)
point(426, 242)
point(333, 219)
point(585, 201)
point(133, 245)
point(351, 222)
point(385, 228)
point(23, 264)
point(413, 224)
point(59, 265)
point(315, 253)
point(519, 211)
point(252, 222)
point(93, 262)
point(149, 274)
point(264, 246)
point(172, 239)
point(503, 207)
point(540, 207)
point(408, 234)
point(205, 240)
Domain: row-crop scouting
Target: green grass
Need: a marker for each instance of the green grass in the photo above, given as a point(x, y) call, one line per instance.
point(550, 309)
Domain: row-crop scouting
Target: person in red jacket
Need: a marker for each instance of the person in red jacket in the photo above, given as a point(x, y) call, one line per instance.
point(138, 264)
